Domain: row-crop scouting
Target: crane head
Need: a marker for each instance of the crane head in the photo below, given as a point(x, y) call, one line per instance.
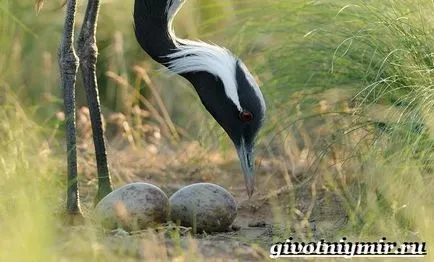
point(228, 91)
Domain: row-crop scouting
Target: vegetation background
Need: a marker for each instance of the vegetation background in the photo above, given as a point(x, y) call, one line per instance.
point(347, 149)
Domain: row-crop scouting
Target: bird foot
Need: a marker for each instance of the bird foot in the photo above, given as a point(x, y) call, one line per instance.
point(73, 219)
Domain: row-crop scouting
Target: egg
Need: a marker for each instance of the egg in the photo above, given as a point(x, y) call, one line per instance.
point(133, 207)
point(204, 207)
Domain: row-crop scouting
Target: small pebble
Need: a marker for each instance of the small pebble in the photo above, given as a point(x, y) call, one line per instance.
point(236, 227)
point(260, 223)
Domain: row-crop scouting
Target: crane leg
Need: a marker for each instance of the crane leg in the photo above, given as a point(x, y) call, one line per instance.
point(68, 63)
point(88, 52)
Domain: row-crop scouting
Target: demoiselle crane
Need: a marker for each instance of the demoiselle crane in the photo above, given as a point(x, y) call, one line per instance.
point(225, 86)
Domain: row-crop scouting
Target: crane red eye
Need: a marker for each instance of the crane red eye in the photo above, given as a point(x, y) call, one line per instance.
point(246, 116)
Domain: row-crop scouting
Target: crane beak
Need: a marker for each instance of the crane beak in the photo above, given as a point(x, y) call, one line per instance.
point(245, 154)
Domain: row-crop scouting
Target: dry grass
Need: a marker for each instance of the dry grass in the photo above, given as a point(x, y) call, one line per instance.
point(346, 151)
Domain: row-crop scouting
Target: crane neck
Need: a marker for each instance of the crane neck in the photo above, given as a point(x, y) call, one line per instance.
point(152, 29)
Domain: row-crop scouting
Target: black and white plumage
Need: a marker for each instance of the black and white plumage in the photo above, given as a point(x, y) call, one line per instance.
point(225, 86)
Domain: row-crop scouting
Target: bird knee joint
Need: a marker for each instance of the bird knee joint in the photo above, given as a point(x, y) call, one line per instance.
point(68, 61)
point(88, 54)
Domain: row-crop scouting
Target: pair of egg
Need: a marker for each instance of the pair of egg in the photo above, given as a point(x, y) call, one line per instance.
point(202, 206)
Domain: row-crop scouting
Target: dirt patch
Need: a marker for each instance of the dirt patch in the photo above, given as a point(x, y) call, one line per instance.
point(285, 203)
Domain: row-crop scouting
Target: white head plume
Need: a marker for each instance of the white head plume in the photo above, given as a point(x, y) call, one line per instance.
point(218, 61)
point(193, 56)
point(173, 7)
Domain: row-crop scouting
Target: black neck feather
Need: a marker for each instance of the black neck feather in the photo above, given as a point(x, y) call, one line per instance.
point(152, 31)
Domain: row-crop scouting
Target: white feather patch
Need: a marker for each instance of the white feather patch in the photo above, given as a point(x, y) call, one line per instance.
point(172, 8)
point(252, 82)
point(195, 56)
point(218, 61)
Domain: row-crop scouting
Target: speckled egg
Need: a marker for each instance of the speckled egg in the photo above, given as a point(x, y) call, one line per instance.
point(204, 207)
point(133, 207)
